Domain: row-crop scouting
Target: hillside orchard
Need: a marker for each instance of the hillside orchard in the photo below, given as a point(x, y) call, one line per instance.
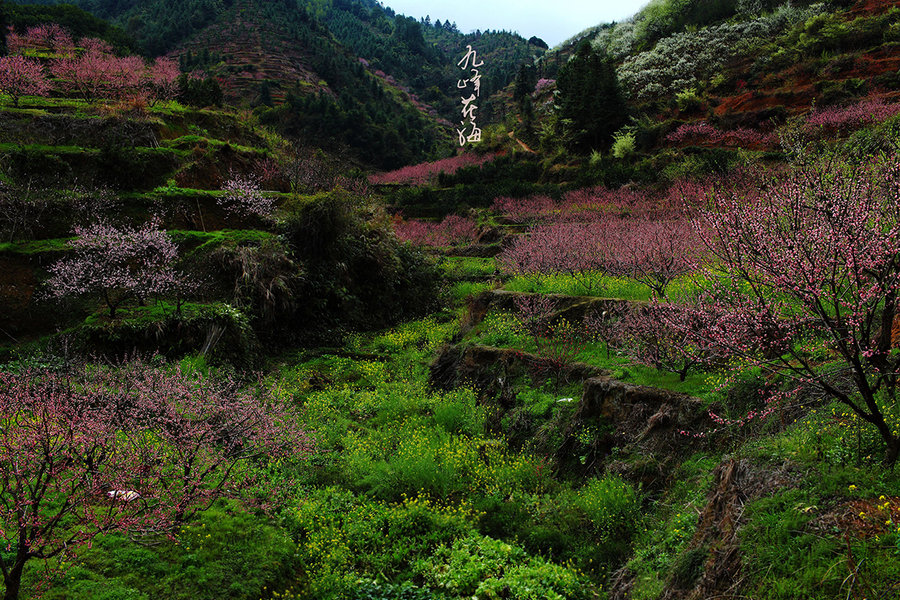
point(136, 449)
point(89, 70)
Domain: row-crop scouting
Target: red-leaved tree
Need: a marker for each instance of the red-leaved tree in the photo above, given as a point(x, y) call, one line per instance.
point(117, 264)
point(132, 449)
point(813, 258)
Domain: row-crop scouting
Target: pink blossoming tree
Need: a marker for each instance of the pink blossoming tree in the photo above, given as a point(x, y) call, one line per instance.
point(45, 35)
point(573, 249)
point(653, 252)
point(813, 258)
point(20, 76)
point(132, 449)
point(160, 80)
point(243, 196)
point(668, 337)
point(97, 73)
point(117, 264)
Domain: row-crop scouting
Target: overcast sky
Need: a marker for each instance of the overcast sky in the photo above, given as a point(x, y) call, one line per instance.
point(551, 20)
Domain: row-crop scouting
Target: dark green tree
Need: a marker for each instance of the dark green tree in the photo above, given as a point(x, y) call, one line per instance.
point(265, 95)
point(2, 28)
point(526, 79)
point(591, 102)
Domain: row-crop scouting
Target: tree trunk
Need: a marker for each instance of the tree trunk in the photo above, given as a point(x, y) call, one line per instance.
point(13, 581)
point(893, 452)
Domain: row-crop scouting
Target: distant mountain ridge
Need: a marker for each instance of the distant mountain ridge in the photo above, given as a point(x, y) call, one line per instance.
point(349, 71)
point(419, 55)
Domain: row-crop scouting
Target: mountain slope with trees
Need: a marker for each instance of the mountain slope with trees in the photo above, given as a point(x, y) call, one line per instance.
point(641, 343)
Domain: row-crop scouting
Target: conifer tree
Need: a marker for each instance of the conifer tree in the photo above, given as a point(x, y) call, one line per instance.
point(590, 99)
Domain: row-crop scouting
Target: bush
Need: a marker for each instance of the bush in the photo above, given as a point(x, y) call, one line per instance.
point(623, 144)
point(341, 538)
point(486, 568)
point(356, 274)
point(199, 92)
point(687, 100)
point(611, 506)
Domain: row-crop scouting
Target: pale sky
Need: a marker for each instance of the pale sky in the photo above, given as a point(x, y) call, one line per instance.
point(551, 20)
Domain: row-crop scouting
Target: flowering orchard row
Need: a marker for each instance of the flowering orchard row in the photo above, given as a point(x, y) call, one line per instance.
point(595, 211)
point(89, 70)
point(703, 132)
point(452, 231)
point(599, 203)
point(426, 173)
point(135, 449)
point(651, 251)
point(797, 275)
point(833, 119)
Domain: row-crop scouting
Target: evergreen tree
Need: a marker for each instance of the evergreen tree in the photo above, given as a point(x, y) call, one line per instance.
point(590, 99)
point(2, 28)
point(526, 79)
point(265, 94)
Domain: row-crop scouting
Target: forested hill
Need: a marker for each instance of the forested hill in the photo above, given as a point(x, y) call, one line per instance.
point(422, 55)
point(418, 56)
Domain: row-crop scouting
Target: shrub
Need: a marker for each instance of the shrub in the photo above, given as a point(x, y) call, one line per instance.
point(623, 144)
point(611, 506)
point(487, 568)
point(356, 273)
point(688, 100)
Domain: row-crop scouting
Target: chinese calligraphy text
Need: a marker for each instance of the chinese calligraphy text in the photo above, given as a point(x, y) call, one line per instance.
point(469, 65)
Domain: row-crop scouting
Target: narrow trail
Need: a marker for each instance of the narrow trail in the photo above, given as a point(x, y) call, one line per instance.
point(521, 143)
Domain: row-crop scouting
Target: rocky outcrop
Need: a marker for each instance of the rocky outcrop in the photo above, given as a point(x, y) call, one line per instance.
point(654, 428)
point(491, 369)
point(570, 308)
point(710, 567)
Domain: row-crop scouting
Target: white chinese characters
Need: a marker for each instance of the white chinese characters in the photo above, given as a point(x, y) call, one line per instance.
point(469, 64)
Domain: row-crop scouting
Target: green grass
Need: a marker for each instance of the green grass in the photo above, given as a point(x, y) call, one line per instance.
point(668, 527)
point(188, 142)
point(35, 246)
point(152, 312)
point(788, 555)
point(204, 241)
point(598, 284)
point(500, 329)
point(462, 290)
point(468, 267)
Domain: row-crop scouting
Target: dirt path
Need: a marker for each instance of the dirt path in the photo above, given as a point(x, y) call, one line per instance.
point(521, 143)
